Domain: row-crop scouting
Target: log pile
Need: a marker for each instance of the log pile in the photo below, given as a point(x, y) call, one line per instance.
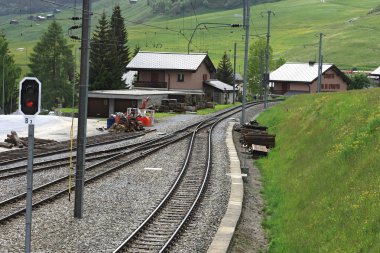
point(13, 140)
point(168, 105)
point(256, 138)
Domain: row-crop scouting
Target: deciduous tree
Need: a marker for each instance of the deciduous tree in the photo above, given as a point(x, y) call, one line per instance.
point(359, 81)
point(256, 51)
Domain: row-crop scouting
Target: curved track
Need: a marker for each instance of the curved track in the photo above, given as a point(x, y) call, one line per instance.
point(118, 159)
point(157, 232)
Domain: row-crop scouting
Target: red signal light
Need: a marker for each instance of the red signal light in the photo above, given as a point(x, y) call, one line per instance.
point(29, 103)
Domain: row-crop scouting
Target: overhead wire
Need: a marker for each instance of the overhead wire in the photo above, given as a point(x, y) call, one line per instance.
point(126, 20)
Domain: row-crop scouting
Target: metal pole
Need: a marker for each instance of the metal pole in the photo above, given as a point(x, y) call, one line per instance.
point(244, 12)
point(262, 79)
point(3, 86)
point(29, 189)
point(82, 117)
point(319, 64)
point(247, 21)
point(233, 95)
point(267, 63)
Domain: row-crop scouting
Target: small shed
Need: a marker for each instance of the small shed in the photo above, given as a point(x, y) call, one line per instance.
point(376, 75)
point(218, 91)
point(102, 103)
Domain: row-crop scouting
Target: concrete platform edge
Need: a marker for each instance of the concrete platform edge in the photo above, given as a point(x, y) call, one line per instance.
point(229, 222)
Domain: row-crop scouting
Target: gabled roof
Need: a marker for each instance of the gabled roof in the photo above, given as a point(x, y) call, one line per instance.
point(298, 72)
point(169, 61)
point(219, 85)
point(376, 72)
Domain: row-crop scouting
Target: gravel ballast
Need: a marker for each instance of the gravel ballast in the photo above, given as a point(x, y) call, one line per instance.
point(116, 205)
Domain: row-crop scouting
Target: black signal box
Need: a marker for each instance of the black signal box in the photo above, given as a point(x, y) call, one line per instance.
point(30, 96)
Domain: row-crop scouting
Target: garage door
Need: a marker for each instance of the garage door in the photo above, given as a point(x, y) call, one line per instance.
point(97, 107)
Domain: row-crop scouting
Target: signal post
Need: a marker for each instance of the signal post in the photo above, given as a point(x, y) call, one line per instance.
point(30, 105)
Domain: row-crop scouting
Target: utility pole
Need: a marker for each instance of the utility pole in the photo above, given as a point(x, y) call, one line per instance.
point(247, 21)
point(82, 117)
point(267, 63)
point(262, 79)
point(244, 11)
point(320, 63)
point(233, 95)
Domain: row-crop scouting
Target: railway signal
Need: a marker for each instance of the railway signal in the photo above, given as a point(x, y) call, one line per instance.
point(30, 105)
point(30, 96)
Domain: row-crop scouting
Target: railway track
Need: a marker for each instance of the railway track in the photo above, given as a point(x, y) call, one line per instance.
point(19, 170)
point(159, 230)
point(14, 156)
point(15, 206)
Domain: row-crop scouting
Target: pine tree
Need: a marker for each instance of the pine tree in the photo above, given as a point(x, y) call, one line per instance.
point(11, 73)
point(119, 38)
point(225, 71)
point(100, 77)
point(52, 62)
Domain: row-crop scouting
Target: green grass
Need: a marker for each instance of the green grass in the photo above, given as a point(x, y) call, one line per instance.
point(67, 110)
point(294, 31)
point(322, 181)
point(158, 115)
point(217, 108)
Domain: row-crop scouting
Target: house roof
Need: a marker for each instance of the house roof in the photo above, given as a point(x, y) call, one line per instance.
point(133, 93)
point(219, 85)
point(298, 72)
point(238, 77)
point(376, 72)
point(169, 61)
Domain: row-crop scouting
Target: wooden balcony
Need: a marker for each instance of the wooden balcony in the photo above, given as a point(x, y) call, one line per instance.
point(157, 85)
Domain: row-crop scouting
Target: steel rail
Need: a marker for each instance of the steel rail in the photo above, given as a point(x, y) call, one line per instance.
point(175, 185)
point(153, 148)
point(54, 152)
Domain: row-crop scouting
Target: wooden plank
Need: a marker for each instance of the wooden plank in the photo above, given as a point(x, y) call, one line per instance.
point(259, 148)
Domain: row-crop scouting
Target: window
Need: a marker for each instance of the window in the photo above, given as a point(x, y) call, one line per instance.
point(180, 77)
point(329, 76)
point(205, 77)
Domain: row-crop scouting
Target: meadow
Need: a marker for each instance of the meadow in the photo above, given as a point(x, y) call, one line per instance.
point(322, 180)
point(350, 33)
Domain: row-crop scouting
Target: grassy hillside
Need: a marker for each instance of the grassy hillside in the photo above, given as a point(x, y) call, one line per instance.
point(351, 33)
point(322, 181)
